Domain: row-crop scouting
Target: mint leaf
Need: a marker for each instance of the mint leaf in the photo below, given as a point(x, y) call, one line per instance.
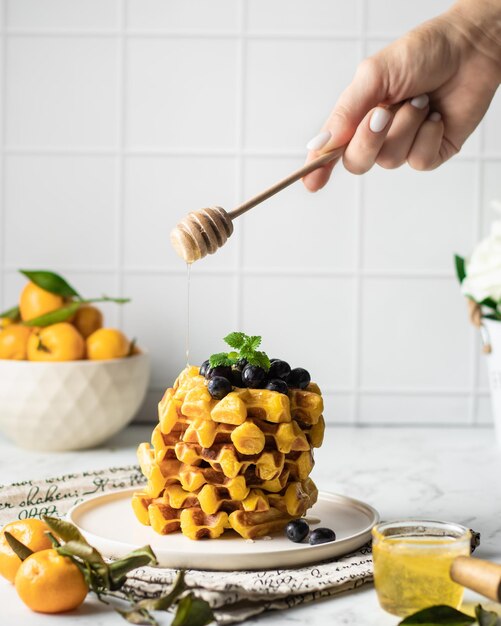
point(260, 359)
point(485, 618)
point(254, 341)
point(437, 615)
point(235, 340)
point(245, 347)
point(246, 352)
point(221, 358)
point(12, 314)
point(50, 281)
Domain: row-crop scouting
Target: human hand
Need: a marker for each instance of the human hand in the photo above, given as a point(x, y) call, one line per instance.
point(418, 99)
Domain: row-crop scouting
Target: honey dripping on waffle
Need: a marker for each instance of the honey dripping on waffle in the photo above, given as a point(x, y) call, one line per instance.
point(188, 274)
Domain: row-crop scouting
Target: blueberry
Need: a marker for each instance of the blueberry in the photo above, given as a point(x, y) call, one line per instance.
point(220, 370)
point(219, 387)
point(297, 530)
point(253, 376)
point(275, 384)
point(279, 369)
point(322, 535)
point(241, 363)
point(236, 376)
point(204, 367)
point(298, 377)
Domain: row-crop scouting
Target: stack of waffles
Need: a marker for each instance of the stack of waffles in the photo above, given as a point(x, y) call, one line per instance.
point(240, 463)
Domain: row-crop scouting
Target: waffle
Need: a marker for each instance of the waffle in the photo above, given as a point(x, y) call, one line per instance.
point(240, 463)
point(214, 509)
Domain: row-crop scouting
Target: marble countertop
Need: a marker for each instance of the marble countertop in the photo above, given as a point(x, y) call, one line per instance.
point(435, 473)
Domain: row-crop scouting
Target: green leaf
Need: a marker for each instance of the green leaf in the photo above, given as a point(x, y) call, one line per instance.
point(65, 530)
point(489, 302)
point(138, 558)
point(106, 299)
point(221, 358)
point(90, 562)
point(22, 551)
point(12, 314)
point(164, 602)
point(254, 341)
point(259, 358)
point(437, 615)
point(50, 281)
point(53, 540)
point(54, 317)
point(192, 611)
point(83, 551)
point(235, 340)
point(138, 616)
point(485, 618)
point(460, 264)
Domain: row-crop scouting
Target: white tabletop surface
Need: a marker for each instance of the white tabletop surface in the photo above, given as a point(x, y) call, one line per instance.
point(441, 473)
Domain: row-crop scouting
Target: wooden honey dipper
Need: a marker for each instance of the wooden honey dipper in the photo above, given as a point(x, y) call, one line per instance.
point(205, 231)
point(484, 577)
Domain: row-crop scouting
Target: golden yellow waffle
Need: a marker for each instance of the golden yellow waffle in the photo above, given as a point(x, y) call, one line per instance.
point(192, 477)
point(224, 458)
point(242, 462)
point(169, 513)
point(253, 524)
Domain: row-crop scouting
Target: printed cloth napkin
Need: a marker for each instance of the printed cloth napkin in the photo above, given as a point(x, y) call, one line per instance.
point(234, 596)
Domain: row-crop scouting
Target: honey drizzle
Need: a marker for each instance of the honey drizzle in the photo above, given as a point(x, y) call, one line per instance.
point(188, 271)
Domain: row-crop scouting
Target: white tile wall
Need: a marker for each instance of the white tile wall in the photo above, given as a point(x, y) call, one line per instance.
point(119, 116)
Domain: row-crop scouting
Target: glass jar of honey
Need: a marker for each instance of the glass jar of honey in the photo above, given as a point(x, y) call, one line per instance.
point(412, 560)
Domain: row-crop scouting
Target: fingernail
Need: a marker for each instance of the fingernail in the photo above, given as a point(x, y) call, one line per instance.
point(319, 141)
point(435, 117)
point(379, 119)
point(419, 102)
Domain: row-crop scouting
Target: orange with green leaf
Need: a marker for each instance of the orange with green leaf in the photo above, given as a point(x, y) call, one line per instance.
point(53, 568)
point(53, 322)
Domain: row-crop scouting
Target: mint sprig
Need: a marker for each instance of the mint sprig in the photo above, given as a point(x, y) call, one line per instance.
point(244, 347)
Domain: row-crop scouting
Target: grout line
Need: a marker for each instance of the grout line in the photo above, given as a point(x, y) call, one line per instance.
point(180, 152)
point(240, 161)
point(163, 33)
point(120, 199)
point(136, 33)
point(3, 130)
point(299, 272)
point(359, 243)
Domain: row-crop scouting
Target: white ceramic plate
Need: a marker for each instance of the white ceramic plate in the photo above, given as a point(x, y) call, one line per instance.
point(108, 523)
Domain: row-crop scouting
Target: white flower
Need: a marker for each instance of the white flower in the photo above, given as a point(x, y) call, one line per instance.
point(483, 271)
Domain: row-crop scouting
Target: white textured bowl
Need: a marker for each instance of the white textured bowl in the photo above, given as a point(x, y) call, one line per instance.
point(70, 405)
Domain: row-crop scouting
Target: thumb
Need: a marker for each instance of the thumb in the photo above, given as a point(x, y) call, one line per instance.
point(367, 90)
